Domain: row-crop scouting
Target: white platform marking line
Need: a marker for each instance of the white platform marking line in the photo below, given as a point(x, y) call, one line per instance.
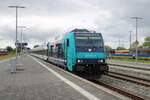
point(76, 87)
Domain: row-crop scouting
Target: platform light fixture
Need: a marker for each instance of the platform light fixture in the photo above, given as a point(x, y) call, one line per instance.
point(16, 7)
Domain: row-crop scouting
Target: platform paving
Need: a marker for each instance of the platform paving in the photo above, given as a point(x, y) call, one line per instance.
point(35, 82)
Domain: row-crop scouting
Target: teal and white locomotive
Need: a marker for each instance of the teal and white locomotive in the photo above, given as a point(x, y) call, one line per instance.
point(79, 51)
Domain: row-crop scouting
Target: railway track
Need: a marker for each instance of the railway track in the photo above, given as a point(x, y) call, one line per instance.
point(139, 68)
point(131, 79)
point(122, 91)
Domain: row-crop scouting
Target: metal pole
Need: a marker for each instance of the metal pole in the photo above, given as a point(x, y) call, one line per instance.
point(21, 40)
point(130, 38)
point(16, 34)
point(136, 41)
point(21, 27)
point(119, 42)
point(136, 19)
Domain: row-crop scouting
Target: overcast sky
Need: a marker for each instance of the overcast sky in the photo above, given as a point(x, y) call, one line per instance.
point(46, 19)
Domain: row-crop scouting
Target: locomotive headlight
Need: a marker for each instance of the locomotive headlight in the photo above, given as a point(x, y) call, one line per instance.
point(78, 61)
point(100, 60)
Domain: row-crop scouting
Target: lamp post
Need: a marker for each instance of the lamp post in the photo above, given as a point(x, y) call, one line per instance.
point(21, 27)
point(136, 20)
point(130, 38)
point(16, 7)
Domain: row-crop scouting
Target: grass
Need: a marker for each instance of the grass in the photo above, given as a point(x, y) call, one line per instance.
point(126, 58)
point(10, 55)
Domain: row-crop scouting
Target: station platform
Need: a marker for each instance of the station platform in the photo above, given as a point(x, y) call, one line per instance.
point(40, 80)
point(139, 65)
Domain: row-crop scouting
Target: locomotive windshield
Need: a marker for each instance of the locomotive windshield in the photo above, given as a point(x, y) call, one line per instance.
point(90, 40)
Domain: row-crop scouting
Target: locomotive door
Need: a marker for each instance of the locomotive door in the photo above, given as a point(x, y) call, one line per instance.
point(67, 51)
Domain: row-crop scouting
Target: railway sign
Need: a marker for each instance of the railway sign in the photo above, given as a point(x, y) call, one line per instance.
point(19, 44)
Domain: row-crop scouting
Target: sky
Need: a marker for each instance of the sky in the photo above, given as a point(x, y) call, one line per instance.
point(47, 19)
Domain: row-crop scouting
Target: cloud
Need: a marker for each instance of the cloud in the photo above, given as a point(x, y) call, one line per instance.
point(48, 18)
point(115, 22)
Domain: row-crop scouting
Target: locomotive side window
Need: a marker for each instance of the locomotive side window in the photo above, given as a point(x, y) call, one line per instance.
point(67, 42)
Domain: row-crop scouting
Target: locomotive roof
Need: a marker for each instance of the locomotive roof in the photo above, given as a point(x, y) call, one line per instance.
point(80, 30)
point(40, 47)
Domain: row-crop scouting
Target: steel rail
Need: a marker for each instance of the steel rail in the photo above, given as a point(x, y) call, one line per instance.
point(127, 93)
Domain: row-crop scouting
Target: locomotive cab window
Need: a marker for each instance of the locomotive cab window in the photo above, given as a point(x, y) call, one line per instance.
point(89, 42)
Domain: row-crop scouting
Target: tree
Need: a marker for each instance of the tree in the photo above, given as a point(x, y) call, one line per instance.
point(141, 46)
point(121, 48)
point(134, 44)
point(146, 43)
point(9, 48)
point(19, 49)
point(108, 47)
point(108, 50)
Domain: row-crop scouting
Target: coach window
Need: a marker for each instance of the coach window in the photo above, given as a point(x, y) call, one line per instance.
point(51, 50)
point(58, 50)
point(61, 53)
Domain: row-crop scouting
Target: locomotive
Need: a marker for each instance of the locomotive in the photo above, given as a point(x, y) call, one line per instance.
point(79, 51)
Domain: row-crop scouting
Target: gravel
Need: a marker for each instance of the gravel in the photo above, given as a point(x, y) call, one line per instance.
point(138, 89)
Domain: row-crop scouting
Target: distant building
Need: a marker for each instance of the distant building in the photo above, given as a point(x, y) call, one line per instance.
point(3, 51)
point(141, 51)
